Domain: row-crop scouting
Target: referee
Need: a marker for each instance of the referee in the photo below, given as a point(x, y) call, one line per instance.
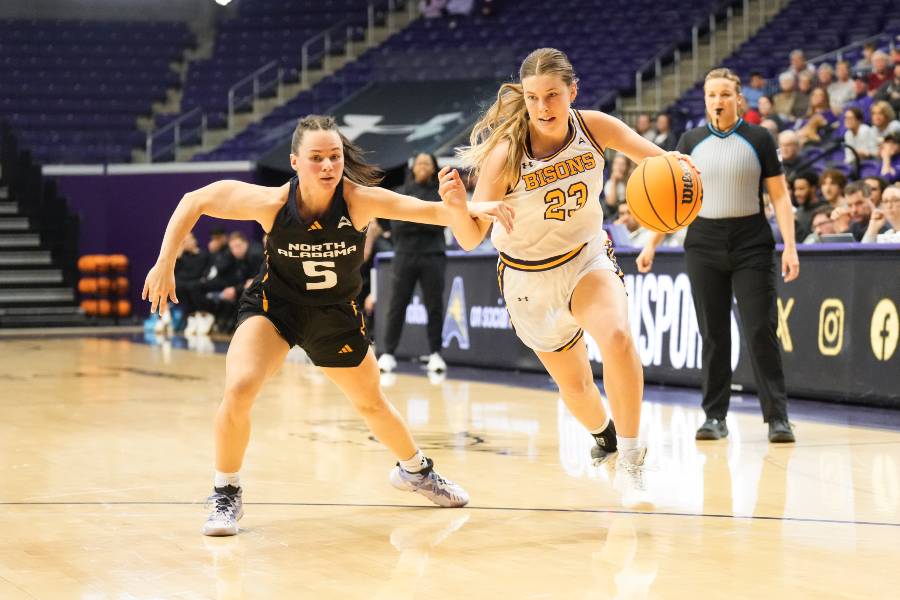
point(729, 249)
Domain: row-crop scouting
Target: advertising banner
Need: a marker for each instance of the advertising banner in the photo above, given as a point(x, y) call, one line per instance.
point(838, 324)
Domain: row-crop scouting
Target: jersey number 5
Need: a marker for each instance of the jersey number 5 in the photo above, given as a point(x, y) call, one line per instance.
point(555, 199)
point(319, 270)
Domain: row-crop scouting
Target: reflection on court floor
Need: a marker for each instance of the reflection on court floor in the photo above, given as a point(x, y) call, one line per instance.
point(106, 458)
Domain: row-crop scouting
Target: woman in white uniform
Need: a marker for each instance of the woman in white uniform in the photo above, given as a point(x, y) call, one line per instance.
point(557, 272)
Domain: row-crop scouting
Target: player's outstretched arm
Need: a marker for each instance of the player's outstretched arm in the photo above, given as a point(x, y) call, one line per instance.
point(367, 203)
point(223, 199)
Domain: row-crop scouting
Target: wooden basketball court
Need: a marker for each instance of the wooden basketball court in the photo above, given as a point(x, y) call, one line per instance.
point(106, 461)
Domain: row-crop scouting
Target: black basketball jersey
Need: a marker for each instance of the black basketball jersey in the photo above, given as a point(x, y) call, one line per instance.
point(316, 262)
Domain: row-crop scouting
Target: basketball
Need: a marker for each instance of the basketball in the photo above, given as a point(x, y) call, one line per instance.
point(664, 193)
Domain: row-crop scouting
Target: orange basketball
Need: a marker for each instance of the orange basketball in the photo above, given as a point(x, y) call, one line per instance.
point(104, 307)
point(86, 263)
point(103, 285)
point(120, 285)
point(89, 307)
point(664, 193)
point(117, 262)
point(87, 285)
point(123, 308)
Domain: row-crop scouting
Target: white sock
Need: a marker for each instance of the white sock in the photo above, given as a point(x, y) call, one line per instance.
point(627, 443)
point(223, 479)
point(602, 428)
point(415, 463)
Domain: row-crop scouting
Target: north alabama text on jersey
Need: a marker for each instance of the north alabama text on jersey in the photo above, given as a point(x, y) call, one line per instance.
point(323, 250)
point(559, 171)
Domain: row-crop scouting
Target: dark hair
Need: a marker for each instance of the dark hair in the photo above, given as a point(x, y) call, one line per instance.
point(858, 186)
point(217, 231)
point(434, 163)
point(822, 210)
point(811, 176)
point(856, 112)
point(837, 176)
point(755, 74)
point(238, 235)
point(881, 181)
point(356, 168)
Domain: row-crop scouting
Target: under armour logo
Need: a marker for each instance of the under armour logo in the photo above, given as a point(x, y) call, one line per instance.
point(524, 299)
point(528, 164)
point(345, 222)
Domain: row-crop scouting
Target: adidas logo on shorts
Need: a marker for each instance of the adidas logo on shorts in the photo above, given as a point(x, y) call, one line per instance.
point(346, 349)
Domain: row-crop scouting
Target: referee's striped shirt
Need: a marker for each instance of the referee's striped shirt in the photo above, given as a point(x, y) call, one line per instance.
point(734, 164)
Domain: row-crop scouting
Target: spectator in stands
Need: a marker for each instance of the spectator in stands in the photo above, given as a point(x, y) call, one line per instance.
point(860, 206)
point(487, 8)
point(877, 185)
point(832, 183)
point(821, 225)
point(884, 119)
point(637, 235)
point(806, 198)
point(890, 91)
point(862, 100)
point(812, 132)
point(614, 188)
point(218, 242)
point(789, 151)
point(802, 98)
point(889, 152)
point(865, 62)
point(419, 257)
point(784, 100)
point(432, 9)
point(664, 138)
point(644, 126)
point(756, 90)
point(820, 104)
point(881, 71)
point(767, 111)
point(824, 76)
point(843, 90)
point(859, 136)
point(799, 64)
point(840, 218)
point(884, 225)
point(771, 126)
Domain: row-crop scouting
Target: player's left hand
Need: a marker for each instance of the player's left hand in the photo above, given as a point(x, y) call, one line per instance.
point(685, 158)
point(451, 189)
point(790, 264)
point(496, 211)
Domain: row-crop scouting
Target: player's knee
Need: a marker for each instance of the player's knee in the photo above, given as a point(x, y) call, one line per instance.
point(615, 337)
point(371, 406)
point(240, 391)
point(575, 389)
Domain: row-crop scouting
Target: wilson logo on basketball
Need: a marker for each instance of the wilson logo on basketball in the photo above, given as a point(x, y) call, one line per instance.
point(558, 171)
point(687, 181)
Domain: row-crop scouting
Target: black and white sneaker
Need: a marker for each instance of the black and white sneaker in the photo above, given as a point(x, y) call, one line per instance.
point(226, 509)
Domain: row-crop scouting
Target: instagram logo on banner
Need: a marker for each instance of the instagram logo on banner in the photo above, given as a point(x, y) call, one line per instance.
point(831, 327)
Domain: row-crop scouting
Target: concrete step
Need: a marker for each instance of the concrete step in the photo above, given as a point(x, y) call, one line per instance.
point(30, 276)
point(23, 258)
point(13, 224)
point(31, 311)
point(19, 240)
point(35, 295)
point(73, 320)
point(9, 208)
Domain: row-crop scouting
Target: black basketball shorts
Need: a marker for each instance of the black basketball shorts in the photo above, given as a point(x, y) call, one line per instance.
point(333, 335)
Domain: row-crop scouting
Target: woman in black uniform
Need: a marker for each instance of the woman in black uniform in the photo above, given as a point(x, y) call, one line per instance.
point(304, 295)
point(729, 249)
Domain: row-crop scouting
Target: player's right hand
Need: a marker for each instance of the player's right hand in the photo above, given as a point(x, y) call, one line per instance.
point(451, 189)
point(159, 287)
point(645, 259)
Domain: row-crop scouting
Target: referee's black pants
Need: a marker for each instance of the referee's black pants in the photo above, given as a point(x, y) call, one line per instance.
point(725, 256)
point(428, 270)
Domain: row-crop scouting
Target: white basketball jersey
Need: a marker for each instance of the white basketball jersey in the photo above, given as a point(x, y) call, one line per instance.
point(556, 199)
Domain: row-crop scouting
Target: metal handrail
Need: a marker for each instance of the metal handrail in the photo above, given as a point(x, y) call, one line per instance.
point(175, 125)
point(839, 53)
point(234, 104)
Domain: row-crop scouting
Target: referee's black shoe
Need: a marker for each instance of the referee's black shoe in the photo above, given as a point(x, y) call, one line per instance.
point(781, 432)
point(712, 429)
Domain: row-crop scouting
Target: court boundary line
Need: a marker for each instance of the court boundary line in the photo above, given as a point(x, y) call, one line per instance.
point(482, 508)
